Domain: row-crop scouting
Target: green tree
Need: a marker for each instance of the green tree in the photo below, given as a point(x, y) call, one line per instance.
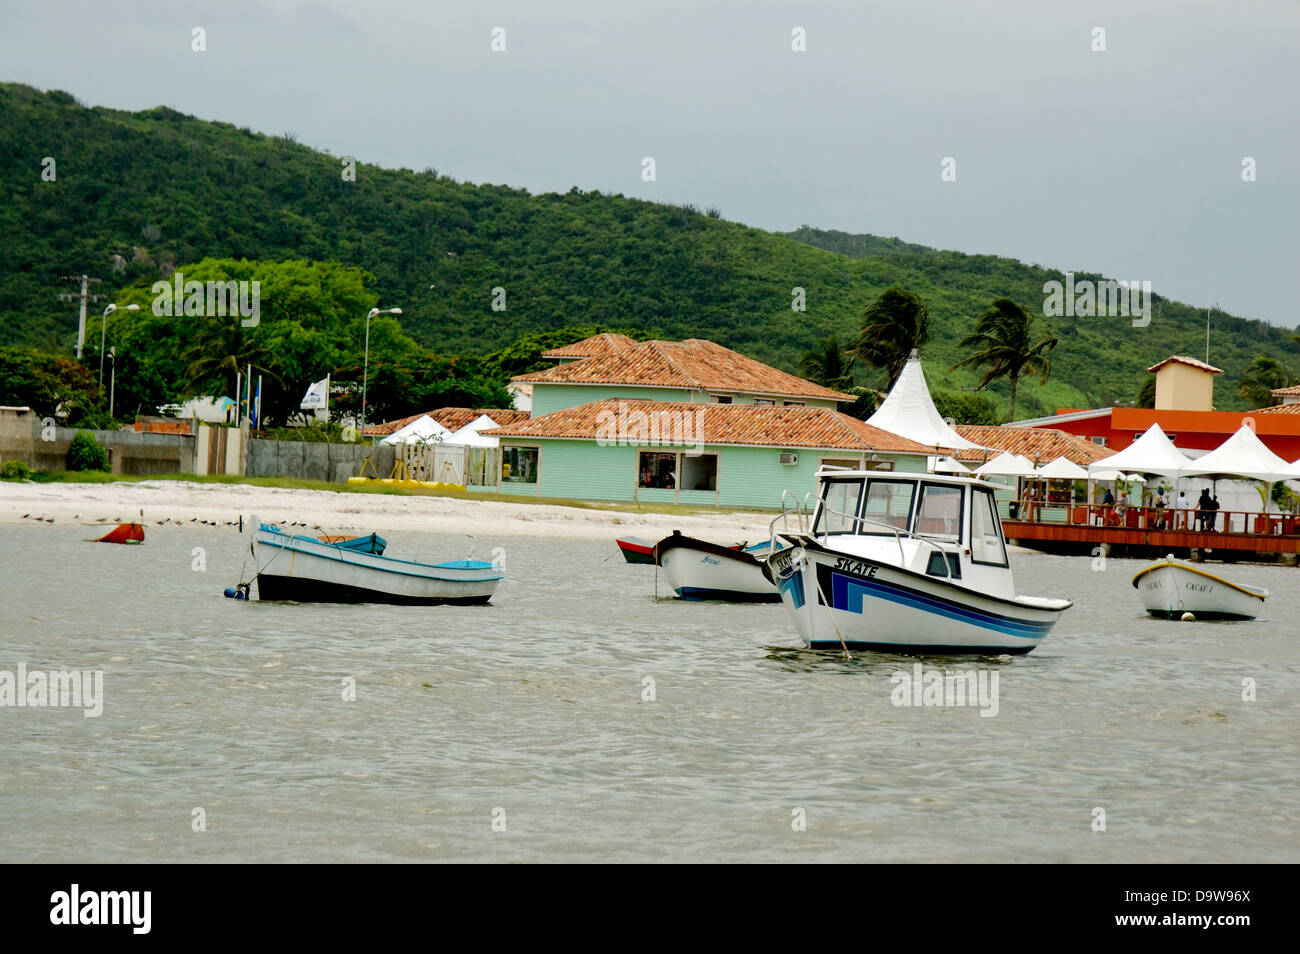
point(1003, 338)
point(828, 365)
point(1262, 376)
point(1146, 396)
point(965, 408)
point(892, 326)
point(86, 453)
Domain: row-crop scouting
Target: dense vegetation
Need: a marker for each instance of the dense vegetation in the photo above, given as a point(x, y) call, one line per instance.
point(135, 195)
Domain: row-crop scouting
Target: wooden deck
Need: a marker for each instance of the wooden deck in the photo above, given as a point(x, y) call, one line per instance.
point(1143, 532)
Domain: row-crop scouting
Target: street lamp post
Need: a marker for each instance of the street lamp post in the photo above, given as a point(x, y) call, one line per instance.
point(365, 373)
point(103, 324)
point(112, 388)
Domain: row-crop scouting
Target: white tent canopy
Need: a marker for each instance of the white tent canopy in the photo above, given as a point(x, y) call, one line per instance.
point(1241, 455)
point(909, 412)
point(1007, 464)
point(423, 430)
point(944, 464)
point(1152, 453)
point(1109, 475)
point(1062, 469)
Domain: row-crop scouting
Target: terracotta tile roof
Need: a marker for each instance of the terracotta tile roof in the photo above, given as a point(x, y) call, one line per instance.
point(592, 347)
point(759, 425)
point(1279, 409)
point(452, 418)
point(1283, 392)
point(694, 364)
point(1183, 359)
point(1040, 444)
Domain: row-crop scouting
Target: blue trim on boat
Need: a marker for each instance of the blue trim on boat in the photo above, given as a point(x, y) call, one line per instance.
point(386, 564)
point(847, 592)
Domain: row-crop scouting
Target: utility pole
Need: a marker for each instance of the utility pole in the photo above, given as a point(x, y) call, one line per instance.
point(84, 296)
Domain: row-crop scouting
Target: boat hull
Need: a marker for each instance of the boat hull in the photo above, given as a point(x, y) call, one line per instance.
point(700, 570)
point(309, 570)
point(872, 605)
point(1169, 589)
point(636, 550)
point(124, 533)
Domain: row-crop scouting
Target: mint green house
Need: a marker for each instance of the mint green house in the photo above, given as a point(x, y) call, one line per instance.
point(685, 422)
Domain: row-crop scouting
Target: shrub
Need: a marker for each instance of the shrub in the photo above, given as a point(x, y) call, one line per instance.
point(15, 470)
point(86, 453)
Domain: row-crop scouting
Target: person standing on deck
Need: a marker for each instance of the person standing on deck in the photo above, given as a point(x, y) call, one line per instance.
point(1181, 506)
point(1213, 507)
point(1203, 509)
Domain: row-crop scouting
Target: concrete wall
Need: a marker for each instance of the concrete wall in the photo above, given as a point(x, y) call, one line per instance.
point(309, 461)
point(129, 452)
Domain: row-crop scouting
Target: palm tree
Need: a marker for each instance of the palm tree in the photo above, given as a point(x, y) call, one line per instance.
point(826, 365)
point(1263, 375)
point(892, 326)
point(1003, 335)
point(221, 349)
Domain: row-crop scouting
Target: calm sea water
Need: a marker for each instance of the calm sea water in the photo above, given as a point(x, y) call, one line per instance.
point(531, 711)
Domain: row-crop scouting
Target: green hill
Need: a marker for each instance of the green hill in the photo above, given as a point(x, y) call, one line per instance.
point(137, 194)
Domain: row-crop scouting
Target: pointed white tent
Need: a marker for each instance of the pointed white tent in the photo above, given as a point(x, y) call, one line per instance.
point(469, 435)
point(1152, 453)
point(1241, 455)
point(1294, 470)
point(423, 430)
point(909, 412)
point(1062, 469)
point(1007, 464)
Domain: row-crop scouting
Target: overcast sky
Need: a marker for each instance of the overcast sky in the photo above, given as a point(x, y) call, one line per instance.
point(1126, 162)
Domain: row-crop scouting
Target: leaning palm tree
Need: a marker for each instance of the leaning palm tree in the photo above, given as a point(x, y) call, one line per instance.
point(826, 365)
point(892, 326)
point(1004, 336)
point(1263, 375)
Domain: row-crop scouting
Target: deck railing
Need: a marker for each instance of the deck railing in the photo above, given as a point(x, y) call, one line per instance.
point(1154, 518)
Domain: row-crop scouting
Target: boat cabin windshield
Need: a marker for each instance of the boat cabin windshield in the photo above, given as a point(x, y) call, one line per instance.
point(930, 509)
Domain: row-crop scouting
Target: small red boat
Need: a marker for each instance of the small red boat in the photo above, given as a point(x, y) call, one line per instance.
point(636, 550)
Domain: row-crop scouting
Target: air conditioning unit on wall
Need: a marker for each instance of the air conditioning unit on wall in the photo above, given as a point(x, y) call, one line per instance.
point(789, 458)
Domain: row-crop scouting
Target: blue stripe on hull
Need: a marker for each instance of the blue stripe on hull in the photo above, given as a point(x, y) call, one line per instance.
point(847, 593)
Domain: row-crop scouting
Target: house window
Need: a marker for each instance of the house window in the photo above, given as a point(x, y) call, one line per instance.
point(848, 463)
point(793, 403)
point(699, 472)
point(655, 469)
point(720, 398)
point(763, 401)
point(519, 465)
point(1099, 440)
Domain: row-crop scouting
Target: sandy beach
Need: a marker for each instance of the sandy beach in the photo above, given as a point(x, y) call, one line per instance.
point(167, 504)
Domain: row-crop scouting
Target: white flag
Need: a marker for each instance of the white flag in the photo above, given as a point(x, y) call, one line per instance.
point(318, 396)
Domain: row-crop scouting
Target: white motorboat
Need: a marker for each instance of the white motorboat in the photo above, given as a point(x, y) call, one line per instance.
point(700, 570)
point(911, 563)
point(355, 570)
point(1170, 588)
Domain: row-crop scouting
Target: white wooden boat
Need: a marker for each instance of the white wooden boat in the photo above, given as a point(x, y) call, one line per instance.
point(700, 570)
point(1170, 588)
point(911, 563)
point(311, 570)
